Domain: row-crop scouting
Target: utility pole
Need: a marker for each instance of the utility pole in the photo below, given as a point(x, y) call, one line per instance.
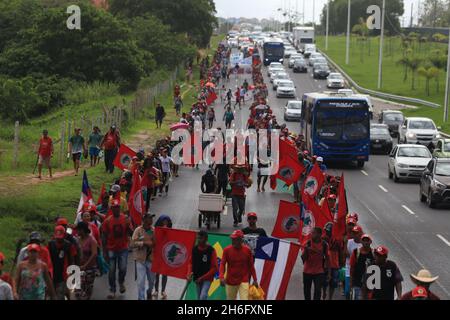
point(447, 84)
point(314, 14)
point(328, 25)
point(304, 12)
point(412, 10)
point(347, 52)
point(380, 64)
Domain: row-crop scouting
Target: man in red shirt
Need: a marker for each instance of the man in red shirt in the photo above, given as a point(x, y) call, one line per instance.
point(111, 144)
point(315, 264)
point(237, 262)
point(45, 153)
point(239, 181)
point(336, 254)
point(203, 265)
point(116, 231)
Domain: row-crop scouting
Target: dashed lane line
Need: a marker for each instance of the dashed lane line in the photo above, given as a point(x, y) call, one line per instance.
point(383, 188)
point(408, 210)
point(443, 240)
point(364, 173)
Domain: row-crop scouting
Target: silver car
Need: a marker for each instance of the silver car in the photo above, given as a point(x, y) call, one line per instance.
point(293, 111)
point(408, 161)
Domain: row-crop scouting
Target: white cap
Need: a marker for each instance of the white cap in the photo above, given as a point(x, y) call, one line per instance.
point(319, 159)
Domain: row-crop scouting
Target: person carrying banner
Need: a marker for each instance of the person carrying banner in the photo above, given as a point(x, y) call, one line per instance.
point(111, 144)
point(203, 265)
point(238, 264)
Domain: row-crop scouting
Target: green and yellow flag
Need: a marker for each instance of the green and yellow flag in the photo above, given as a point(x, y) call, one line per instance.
point(216, 292)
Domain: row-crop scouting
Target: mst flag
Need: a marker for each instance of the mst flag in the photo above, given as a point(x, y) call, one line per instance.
point(274, 261)
point(86, 193)
point(287, 149)
point(282, 187)
point(212, 97)
point(136, 204)
point(216, 291)
point(290, 170)
point(172, 252)
point(288, 221)
point(312, 216)
point(339, 221)
point(314, 182)
point(123, 158)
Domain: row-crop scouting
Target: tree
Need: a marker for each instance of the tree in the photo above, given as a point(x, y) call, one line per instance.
point(414, 64)
point(434, 14)
point(428, 73)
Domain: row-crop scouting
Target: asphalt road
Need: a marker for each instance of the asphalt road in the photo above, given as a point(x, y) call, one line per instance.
point(391, 213)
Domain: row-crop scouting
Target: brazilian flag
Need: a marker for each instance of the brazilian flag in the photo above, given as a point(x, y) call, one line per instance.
point(282, 187)
point(216, 292)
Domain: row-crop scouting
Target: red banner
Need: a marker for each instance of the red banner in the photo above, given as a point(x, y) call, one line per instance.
point(123, 158)
point(136, 204)
point(290, 170)
point(313, 182)
point(288, 221)
point(339, 224)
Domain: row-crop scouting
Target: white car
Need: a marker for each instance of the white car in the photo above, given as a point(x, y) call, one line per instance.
point(286, 89)
point(408, 161)
point(280, 76)
point(274, 69)
point(293, 110)
point(289, 52)
point(293, 58)
point(346, 92)
point(419, 130)
point(336, 81)
point(274, 73)
point(313, 57)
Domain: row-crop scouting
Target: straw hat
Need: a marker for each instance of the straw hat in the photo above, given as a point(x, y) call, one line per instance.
point(424, 276)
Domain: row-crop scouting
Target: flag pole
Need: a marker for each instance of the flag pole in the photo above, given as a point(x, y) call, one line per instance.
point(185, 289)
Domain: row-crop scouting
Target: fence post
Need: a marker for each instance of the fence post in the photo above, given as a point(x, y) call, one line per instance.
point(16, 144)
point(63, 141)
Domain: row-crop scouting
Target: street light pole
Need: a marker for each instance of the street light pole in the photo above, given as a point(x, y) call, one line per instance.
point(347, 52)
point(380, 64)
point(303, 12)
point(328, 25)
point(447, 86)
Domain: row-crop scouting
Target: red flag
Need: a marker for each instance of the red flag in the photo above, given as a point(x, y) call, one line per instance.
point(124, 157)
point(172, 252)
point(287, 149)
point(290, 170)
point(273, 182)
point(314, 182)
point(339, 223)
point(102, 194)
point(288, 221)
point(136, 201)
point(312, 216)
point(326, 210)
point(211, 98)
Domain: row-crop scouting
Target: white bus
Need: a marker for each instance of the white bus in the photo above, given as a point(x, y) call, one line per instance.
point(302, 36)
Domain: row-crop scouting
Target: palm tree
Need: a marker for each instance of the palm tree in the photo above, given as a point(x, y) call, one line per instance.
point(428, 73)
point(414, 64)
point(405, 62)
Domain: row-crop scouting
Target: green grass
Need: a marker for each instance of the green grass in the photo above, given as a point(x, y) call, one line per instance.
point(363, 68)
point(36, 206)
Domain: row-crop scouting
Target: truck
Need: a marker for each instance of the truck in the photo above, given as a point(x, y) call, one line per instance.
point(302, 36)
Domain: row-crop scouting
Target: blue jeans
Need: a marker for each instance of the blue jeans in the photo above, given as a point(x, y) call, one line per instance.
point(120, 259)
point(144, 273)
point(356, 293)
point(202, 290)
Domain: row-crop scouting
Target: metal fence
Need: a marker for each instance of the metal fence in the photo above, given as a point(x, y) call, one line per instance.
point(123, 115)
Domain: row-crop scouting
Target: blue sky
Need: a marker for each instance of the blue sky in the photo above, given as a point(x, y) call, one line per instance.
point(268, 8)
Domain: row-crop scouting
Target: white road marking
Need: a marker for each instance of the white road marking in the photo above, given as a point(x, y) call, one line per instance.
point(364, 173)
point(383, 188)
point(320, 87)
point(409, 210)
point(443, 239)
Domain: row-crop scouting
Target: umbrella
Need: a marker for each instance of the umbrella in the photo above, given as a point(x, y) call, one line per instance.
point(261, 107)
point(210, 84)
point(177, 126)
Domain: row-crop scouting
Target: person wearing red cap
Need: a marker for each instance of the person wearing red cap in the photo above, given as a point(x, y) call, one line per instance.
point(419, 293)
point(239, 181)
point(359, 261)
point(62, 255)
point(44, 255)
point(252, 229)
point(75, 251)
point(6, 287)
point(391, 277)
point(33, 278)
point(351, 244)
point(116, 230)
point(422, 279)
point(238, 265)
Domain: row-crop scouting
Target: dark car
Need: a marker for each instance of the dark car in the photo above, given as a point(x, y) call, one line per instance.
point(321, 71)
point(300, 66)
point(380, 139)
point(393, 119)
point(435, 183)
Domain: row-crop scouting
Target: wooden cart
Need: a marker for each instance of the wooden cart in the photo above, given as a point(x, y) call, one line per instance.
point(210, 207)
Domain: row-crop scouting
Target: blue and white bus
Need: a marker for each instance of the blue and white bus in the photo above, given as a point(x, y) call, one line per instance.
point(273, 51)
point(336, 127)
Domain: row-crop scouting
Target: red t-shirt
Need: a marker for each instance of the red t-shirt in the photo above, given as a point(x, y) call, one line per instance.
point(238, 182)
point(45, 147)
point(116, 230)
point(239, 265)
point(110, 141)
point(334, 249)
point(314, 261)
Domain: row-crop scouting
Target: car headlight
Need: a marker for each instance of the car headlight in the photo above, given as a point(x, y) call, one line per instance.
point(281, 60)
point(403, 166)
point(440, 185)
point(411, 135)
point(438, 136)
